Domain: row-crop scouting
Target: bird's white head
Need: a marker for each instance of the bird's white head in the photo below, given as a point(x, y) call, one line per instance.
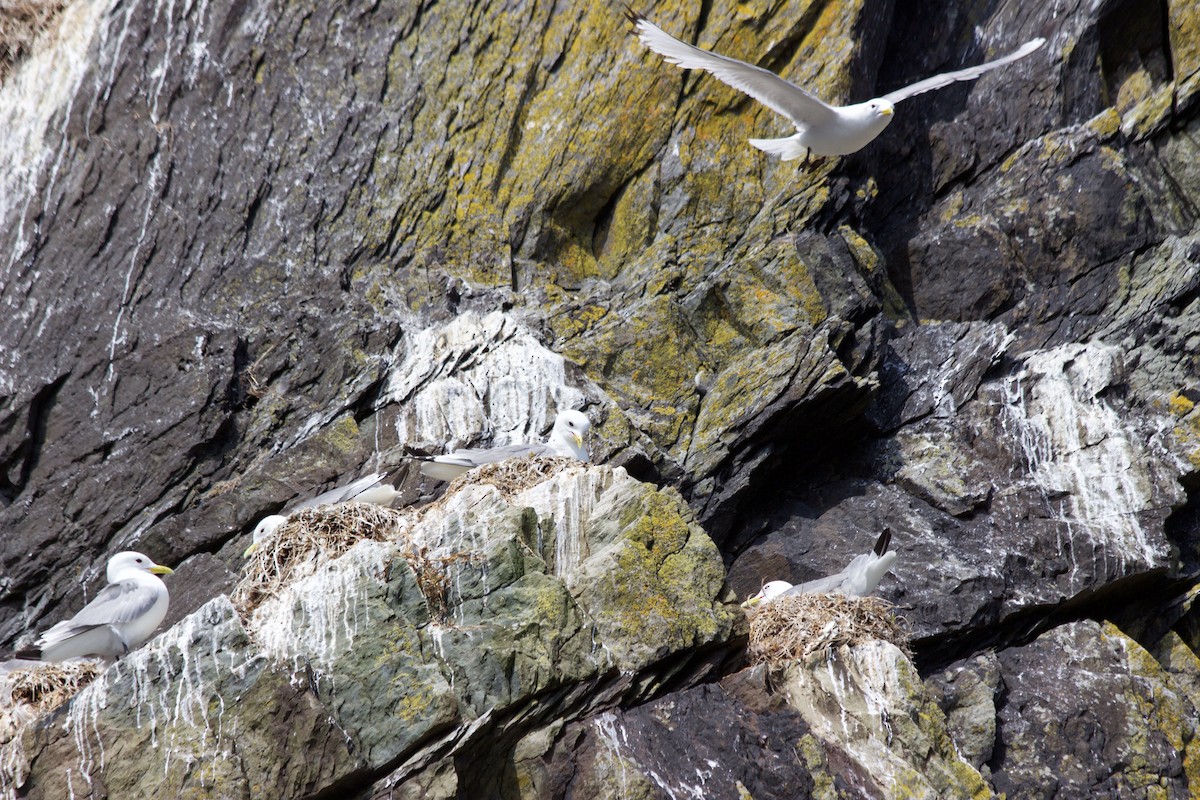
point(882, 108)
point(569, 429)
point(266, 527)
point(770, 590)
point(120, 565)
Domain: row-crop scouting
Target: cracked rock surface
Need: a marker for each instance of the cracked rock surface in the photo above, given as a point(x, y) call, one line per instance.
point(250, 249)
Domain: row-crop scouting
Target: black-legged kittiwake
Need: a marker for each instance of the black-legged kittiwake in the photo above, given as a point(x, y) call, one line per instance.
point(565, 440)
point(371, 489)
point(821, 129)
point(119, 619)
point(858, 579)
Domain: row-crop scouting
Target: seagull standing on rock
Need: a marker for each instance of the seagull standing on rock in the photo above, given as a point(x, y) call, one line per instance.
point(821, 129)
point(119, 619)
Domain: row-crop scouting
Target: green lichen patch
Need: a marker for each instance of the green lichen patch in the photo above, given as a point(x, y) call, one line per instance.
point(653, 587)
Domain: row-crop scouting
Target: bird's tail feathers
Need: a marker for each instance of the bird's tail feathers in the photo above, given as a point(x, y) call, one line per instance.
point(787, 149)
point(883, 542)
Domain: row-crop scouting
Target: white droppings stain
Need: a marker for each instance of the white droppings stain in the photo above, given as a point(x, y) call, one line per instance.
point(1080, 452)
point(314, 619)
point(170, 687)
point(477, 378)
point(566, 502)
point(850, 702)
point(615, 739)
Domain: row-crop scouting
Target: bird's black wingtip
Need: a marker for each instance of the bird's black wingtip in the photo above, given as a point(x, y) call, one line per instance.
point(631, 15)
point(30, 653)
point(883, 542)
point(417, 453)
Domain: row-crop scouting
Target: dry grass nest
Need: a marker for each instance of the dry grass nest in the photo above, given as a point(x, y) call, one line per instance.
point(795, 627)
point(320, 534)
point(308, 537)
point(20, 23)
point(510, 477)
point(38, 689)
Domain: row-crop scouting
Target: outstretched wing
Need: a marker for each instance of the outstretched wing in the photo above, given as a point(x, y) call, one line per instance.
point(782, 97)
point(968, 74)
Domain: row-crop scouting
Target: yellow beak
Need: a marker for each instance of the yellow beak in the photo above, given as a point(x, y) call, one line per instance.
point(249, 551)
point(159, 569)
point(578, 439)
point(751, 602)
point(887, 112)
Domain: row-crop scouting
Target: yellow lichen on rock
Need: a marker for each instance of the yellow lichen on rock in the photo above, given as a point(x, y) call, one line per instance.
point(1183, 30)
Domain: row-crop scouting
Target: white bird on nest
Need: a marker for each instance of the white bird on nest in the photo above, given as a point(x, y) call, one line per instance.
point(119, 619)
point(566, 439)
point(821, 129)
point(371, 489)
point(858, 579)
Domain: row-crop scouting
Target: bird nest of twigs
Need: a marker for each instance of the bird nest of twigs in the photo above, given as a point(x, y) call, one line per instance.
point(511, 476)
point(308, 538)
point(21, 22)
point(316, 535)
point(797, 627)
point(29, 692)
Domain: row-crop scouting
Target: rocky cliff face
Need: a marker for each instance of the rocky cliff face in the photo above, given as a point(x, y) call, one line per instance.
point(251, 247)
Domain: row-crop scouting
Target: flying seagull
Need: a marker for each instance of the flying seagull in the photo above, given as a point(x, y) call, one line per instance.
point(565, 440)
point(858, 579)
point(370, 489)
point(821, 129)
point(119, 619)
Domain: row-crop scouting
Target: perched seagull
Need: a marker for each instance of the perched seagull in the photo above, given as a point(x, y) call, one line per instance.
point(370, 489)
point(565, 440)
point(858, 579)
point(119, 619)
point(821, 129)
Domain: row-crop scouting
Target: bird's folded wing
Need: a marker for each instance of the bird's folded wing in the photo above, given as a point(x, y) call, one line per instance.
point(475, 458)
point(84, 640)
point(970, 73)
point(340, 494)
point(766, 87)
point(116, 604)
point(818, 586)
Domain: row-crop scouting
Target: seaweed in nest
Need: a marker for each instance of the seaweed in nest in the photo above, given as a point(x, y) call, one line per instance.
point(308, 538)
point(797, 626)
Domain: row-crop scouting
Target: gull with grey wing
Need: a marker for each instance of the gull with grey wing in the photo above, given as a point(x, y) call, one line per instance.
point(860, 577)
point(117, 620)
point(821, 129)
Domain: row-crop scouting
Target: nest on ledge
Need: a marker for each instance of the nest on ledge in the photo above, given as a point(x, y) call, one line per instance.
point(317, 535)
point(29, 692)
point(511, 476)
point(308, 538)
point(796, 627)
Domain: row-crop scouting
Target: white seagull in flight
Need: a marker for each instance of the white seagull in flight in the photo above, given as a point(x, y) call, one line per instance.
point(821, 129)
